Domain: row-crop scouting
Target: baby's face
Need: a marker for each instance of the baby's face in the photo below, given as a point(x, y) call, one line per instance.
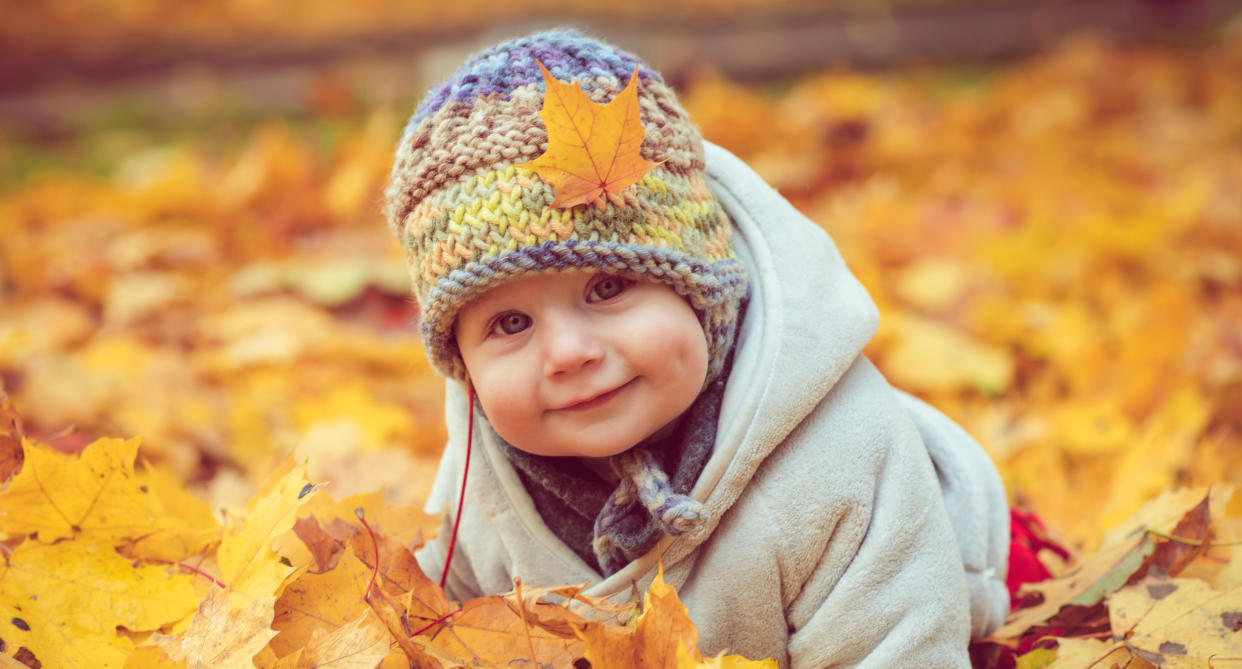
point(579, 363)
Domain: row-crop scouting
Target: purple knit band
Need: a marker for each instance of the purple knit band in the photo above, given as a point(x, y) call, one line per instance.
point(567, 54)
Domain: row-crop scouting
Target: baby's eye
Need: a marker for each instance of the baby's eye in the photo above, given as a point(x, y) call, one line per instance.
point(511, 323)
point(606, 288)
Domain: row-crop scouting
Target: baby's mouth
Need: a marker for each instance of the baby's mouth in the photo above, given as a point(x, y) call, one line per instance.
point(597, 400)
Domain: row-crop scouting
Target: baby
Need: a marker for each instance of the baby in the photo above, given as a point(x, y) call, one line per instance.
point(673, 375)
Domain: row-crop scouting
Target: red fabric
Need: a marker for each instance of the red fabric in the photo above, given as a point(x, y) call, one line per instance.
point(1028, 536)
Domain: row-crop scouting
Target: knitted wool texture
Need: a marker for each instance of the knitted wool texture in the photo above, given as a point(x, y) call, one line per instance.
point(469, 220)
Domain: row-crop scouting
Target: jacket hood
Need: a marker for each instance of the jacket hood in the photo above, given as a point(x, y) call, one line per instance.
point(807, 321)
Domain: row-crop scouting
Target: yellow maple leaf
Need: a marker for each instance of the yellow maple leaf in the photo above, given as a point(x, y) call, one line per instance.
point(663, 636)
point(593, 148)
point(664, 626)
point(183, 525)
point(247, 562)
point(58, 495)
point(64, 601)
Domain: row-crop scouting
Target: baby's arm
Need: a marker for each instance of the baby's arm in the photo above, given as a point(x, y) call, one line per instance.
point(888, 589)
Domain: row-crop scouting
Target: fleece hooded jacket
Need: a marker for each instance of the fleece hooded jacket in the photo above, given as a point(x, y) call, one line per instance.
point(847, 523)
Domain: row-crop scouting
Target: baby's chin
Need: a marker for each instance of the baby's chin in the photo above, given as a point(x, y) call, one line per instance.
point(601, 440)
point(579, 449)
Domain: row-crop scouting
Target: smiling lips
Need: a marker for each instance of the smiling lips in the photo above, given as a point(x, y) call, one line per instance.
point(597, 400)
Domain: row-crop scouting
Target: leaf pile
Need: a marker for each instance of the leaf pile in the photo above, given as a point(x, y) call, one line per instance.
point(108, 566)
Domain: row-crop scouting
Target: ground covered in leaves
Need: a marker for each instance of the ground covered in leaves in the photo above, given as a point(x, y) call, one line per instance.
point(1054, 245)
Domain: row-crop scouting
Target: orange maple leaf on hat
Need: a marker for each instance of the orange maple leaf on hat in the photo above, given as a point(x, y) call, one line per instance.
point(592, 147)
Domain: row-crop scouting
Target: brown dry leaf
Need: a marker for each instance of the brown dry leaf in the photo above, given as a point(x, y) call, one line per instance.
point(11, 435)
point(59, 496)
point(219, 638)
point(324, 549)
point(593, 149)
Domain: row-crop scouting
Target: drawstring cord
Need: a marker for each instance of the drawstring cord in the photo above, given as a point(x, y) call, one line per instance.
point(465, 471)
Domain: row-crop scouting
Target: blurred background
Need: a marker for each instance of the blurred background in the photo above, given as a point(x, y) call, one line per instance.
point(1044, 198)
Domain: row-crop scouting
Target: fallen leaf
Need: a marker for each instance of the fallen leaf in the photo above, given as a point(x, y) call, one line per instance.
point(404, 524)
point(1079, 653)
point(64, 601)
point(662, 636)
point(59, 496)
point(220, 638)
point(361, 643)
point(183, 525)
point(1126, 554)
point(151, 657)
point(11, 435)
point(324, 549)
point(1179, 622)
point(247, 562)
point(320, 602)
point(593, 149)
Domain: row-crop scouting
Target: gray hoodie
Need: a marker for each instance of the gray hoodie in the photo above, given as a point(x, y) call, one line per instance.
point(848, 523)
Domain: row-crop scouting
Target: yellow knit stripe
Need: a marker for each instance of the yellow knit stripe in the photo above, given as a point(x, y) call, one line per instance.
point(491, 213)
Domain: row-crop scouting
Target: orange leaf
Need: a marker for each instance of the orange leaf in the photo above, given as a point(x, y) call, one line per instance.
point(592, 148)
point(10, 438)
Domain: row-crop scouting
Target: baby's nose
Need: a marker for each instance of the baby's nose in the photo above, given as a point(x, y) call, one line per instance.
point(569, 346)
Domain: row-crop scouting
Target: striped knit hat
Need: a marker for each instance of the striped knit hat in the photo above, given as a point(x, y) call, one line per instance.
point(469, 220)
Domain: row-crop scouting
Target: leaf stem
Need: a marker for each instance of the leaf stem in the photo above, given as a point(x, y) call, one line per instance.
point(1192, 542)
point(530, 645)
point(435, 622)
point(187, 567)
point(366, 595)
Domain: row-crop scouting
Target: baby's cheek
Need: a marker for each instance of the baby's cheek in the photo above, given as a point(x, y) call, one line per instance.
point(510, 409)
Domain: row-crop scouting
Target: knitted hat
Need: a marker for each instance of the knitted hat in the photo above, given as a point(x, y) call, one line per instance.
point(469, 220)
